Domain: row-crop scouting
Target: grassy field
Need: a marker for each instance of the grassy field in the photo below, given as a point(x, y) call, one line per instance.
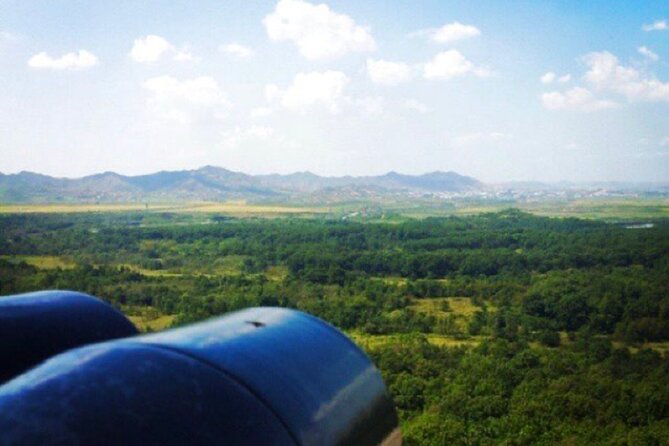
point(235, 209)
point(459, 309)
point(610, 209)
point(276, 273)
point(146, 323)
point(370, 342)
point(42, 262)
point(627, 209)
point(443, 306)
point(79, 208)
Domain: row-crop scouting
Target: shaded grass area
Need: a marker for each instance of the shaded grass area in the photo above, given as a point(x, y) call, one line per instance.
point(41, 262)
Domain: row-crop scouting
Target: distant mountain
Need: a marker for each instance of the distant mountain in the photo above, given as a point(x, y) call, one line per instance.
point(211, 183)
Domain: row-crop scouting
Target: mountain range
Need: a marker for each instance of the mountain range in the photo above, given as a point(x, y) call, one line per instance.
point(211, 183)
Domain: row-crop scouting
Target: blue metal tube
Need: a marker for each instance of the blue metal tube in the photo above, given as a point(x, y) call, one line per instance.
point(258, 376)
point(36, 326)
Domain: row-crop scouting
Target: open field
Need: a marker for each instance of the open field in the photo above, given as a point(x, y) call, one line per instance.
point(236, 209)
point(367, 341)
point(605, 209)
point(459, 309)
point(443, 306)
point(609, 209)
point(149, 323)
point(84, 207)
point(660, 347)
point(41, 262)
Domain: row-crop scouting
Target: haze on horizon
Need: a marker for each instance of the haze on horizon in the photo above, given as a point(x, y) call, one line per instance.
point(498, 91)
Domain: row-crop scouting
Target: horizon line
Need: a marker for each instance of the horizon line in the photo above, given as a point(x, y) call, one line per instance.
point(309, 172)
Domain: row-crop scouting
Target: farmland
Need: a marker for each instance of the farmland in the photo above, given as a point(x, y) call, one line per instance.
point(608, 209)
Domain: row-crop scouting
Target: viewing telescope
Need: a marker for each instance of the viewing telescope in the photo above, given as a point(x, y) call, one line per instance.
point(74, 371)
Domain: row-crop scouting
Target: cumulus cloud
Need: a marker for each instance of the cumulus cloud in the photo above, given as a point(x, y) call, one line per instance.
point(452, 32)
point(648, 54)
point(317, 31)
point(449, 64)
point(387, 73)
point(550, 77)
point(238, 50)
point(325, 89)
point(185, 101)
point(152, 48)
point(605, 73)
point(577, 98)
point(547, 78)
point(79, 60)
point(659, 25)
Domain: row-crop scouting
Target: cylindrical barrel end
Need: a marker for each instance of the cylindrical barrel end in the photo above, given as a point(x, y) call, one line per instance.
point(36, 326)
point(258, 376)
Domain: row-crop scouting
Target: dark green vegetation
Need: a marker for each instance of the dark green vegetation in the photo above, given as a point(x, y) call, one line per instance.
point(501, 328)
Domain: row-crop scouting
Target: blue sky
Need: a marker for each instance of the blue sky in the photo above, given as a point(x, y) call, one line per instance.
point(564, 90)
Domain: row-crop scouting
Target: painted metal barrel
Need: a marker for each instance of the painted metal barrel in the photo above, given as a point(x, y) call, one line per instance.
point(36, 326)
point(260, 376)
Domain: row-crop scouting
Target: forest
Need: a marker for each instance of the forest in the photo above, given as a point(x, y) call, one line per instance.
point(497, 328)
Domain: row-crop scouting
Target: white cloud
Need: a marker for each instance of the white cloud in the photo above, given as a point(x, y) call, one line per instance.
point(646, 52)
point(261, 112)
point(318, 32)
point(241, 135)
point(577, 98)
point(564, 78)
point(186, 101)
point(449, 64)
point(324, 89)
point(547, 78)
point(387, 73)
point(150, 48)
point(550, 77)
point(185, 56)
point(416, 106)
point(664, 142)
point(607, 74)
point(659, 25)
point(452, 32)
point(79, 60)
point(238, 50)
